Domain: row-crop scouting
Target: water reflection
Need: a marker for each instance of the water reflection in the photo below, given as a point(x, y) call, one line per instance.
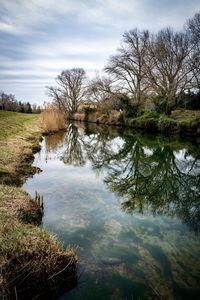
point(122, 198)
point(73, 155)
point(55, 141)
point(162, 176)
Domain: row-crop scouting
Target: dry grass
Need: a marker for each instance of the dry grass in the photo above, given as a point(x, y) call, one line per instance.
point(52, 120)
point(19, 138)
point(182, 114)
point(32, 262)
point(114, 117)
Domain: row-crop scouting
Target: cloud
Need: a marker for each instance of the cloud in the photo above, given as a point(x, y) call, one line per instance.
point(11, 28)
point(50, 58)
point(39, 38)
point(23, 16)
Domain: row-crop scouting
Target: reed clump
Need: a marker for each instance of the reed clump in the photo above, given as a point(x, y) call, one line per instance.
point(52, 120)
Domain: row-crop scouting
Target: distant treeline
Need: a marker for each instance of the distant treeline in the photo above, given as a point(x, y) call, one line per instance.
point(9, 102)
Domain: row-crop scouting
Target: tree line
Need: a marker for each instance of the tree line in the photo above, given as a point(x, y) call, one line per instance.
point(161, 70)
point(10, 103)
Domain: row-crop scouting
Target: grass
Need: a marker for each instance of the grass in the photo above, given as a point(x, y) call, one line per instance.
point(12, 123)
point(31, 259)
point(32, 263)
point(183, 114)
point(188, 118)
point(19, 139)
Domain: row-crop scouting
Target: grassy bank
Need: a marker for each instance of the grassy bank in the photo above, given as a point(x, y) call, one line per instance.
point(32, 262)
point(19, 140)
point(183, 122)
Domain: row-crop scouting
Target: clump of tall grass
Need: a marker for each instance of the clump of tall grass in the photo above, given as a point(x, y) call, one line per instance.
point(52, 120)
point(33, 264)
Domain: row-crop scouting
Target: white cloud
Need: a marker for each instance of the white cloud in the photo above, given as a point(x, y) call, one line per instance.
point(50, 58)
point(22, 15)
point(11, 28)
point(47, 36)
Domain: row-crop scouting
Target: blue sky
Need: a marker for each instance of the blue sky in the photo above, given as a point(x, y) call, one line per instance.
point(40, 38)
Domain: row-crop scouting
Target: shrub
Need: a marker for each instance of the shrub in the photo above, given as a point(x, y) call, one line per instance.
point(149, 114)
point(162, 105)
point(165, 123)
point(88, 110)
point(121, 117)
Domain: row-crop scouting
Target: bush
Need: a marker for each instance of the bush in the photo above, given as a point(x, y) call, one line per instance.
point(121, 117)
point(190, 100)
point(162, 105)
point(165, 123)
point(88, 110)
point(148, 120)
point(149, 114)
point(130, 110)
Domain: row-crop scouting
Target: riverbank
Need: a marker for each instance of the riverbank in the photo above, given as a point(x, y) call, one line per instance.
point(32, 263)
point(181, 122)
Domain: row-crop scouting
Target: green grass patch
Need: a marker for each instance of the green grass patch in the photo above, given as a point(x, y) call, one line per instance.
point(183, 121)
point(166, 123)
point(19, 139)
point(12, 123)
point(187, 115)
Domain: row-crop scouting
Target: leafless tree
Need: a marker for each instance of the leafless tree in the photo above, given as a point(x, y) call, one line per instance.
point(101, 91)
point(8, 102)
point(70, 90)
point(193, 26)
point(193, 31)
point(169, 69)
point(128, 68)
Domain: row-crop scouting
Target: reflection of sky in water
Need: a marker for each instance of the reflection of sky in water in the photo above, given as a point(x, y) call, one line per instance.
point(121, 256)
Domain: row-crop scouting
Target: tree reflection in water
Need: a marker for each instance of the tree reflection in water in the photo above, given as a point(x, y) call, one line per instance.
point(151, 174)
point(73, 155)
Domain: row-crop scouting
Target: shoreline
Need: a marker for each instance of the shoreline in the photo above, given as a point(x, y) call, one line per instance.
point(33, 263)
point(150, 122)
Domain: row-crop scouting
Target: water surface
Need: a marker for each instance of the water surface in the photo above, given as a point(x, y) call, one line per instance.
point(130, 203)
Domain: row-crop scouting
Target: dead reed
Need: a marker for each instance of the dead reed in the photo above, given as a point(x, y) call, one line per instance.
point(52, 120)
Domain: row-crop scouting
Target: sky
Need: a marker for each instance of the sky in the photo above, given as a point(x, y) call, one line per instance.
point(40, 38)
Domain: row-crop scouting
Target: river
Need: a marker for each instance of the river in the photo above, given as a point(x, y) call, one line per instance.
point(130, 204)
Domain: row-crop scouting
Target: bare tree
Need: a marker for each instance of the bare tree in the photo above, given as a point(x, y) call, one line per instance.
point(8, 102)
point(101, 91)
point(169, 69)
point(193, 31)
point(70, 90)
point(128, 67)
point(193, 26)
